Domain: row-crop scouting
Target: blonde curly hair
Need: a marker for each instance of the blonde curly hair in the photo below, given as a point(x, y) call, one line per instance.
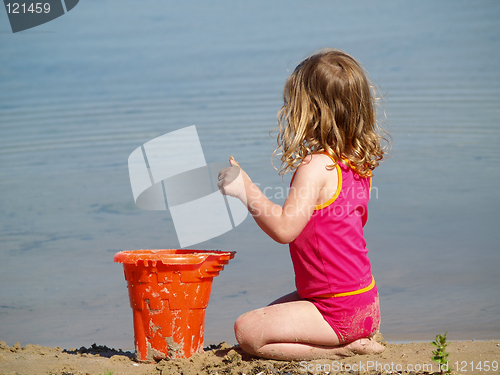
point(329, 107)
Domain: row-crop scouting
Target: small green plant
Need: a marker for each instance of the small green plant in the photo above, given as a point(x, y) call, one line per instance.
point(440, 356)
point(108, 372)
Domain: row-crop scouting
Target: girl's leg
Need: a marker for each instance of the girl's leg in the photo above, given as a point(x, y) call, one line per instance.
point(293, 329)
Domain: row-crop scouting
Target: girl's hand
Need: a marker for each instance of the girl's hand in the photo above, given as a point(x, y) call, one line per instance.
point(232, 181)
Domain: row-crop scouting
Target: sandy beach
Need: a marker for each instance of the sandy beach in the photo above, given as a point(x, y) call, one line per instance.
point(466, 357)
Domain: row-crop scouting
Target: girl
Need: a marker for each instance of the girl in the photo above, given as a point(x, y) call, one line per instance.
point(328, 136)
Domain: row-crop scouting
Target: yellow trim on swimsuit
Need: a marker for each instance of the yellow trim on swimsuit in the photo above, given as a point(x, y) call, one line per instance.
point(354, 292)
point(339, 185)
point(337, 193)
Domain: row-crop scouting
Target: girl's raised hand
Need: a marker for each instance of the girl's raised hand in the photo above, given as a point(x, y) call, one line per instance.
point(232, 181)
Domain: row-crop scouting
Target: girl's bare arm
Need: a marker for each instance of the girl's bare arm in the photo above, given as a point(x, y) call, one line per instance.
point(282, 224)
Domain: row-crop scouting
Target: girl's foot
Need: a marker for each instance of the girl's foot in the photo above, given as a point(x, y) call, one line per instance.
point(364, 346)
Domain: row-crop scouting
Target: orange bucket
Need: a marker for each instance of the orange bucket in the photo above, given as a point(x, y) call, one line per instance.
point(169, 292)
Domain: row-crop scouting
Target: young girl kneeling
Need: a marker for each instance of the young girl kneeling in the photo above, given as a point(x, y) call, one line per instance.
point(328, 136)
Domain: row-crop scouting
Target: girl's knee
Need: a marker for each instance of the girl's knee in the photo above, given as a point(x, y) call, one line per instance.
point(241, 328)
point(246, 332)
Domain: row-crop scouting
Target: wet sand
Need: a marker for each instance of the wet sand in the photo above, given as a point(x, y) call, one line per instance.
point(471, 357)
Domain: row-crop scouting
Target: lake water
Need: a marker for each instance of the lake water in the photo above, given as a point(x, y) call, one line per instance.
point(80, 93)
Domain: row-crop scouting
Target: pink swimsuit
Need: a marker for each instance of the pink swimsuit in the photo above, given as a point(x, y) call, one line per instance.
point(330, 258)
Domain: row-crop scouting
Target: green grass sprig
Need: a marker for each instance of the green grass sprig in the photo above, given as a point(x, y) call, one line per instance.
point(440, 356)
